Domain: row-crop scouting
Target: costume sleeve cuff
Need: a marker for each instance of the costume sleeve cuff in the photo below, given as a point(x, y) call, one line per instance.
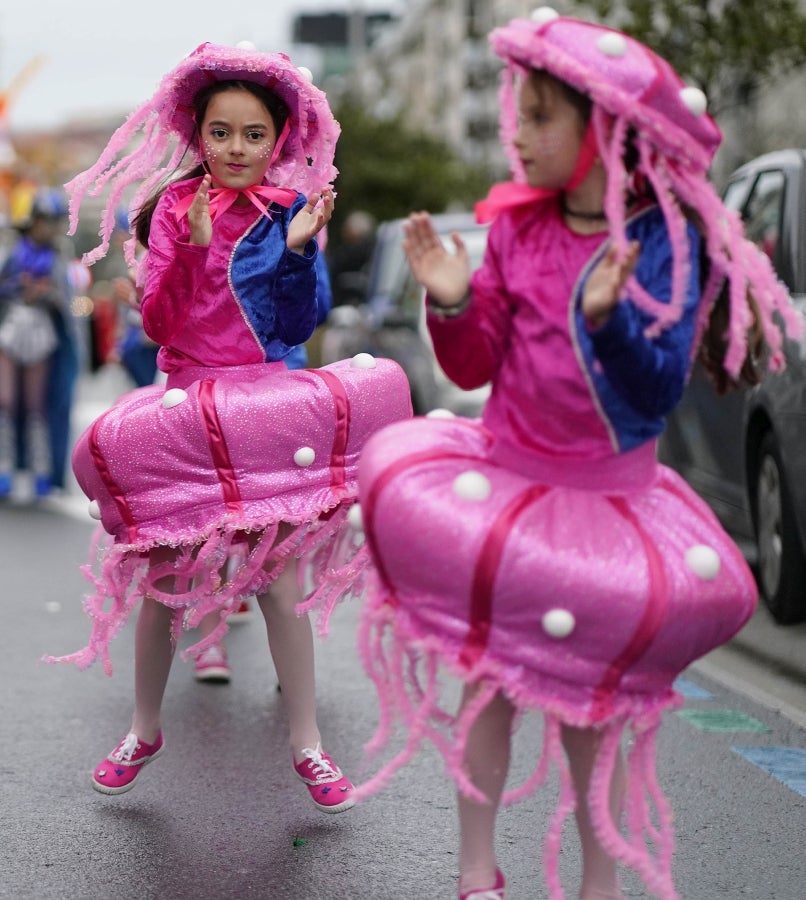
point(447, 312)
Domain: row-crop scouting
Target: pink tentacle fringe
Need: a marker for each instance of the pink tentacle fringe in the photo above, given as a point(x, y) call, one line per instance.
point(214, 572)
point(405, 667)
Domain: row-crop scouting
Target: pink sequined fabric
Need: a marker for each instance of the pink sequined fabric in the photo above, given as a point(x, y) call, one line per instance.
point(249, 464)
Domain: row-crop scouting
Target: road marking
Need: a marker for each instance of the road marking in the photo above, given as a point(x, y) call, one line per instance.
point(733, 680)
point(722, 720)
point(786, 764)
point(691, 691)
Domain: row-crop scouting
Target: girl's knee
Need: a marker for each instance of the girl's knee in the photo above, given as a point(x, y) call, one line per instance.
point(280, 604)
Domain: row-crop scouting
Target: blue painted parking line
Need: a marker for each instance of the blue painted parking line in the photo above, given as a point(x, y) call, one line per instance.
point(786, 764)
point(691, 691)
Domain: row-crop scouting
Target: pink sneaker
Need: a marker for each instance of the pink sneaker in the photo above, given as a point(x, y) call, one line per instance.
point(211, 665)
point(116, 773)
point(496, 892)
point(329, 789)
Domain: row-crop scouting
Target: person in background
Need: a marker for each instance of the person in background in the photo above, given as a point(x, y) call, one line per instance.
point(349, 260)
point(212, 665)
point(117, 334)
point(38, 348)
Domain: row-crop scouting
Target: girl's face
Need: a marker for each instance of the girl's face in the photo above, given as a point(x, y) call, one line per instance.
point(550, 133)
point(237, 137)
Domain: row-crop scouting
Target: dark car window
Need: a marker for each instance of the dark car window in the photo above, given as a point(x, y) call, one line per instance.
point(735, 193)
point(762, 212)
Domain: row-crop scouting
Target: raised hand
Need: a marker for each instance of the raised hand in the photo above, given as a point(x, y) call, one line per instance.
point(606, 282)
point(444, 275)
point(201, 225)
point(310, 220)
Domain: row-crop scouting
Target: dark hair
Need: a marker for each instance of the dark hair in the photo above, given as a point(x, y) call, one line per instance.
point(582, 102)
point(714, 346)
point(274, 105)
point(275, 108)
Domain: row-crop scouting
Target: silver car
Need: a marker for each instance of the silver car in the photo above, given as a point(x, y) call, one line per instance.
point(745, 452)
point(391, 322)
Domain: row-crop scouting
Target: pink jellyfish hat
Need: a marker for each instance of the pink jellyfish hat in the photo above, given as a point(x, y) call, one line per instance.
point(160, 133)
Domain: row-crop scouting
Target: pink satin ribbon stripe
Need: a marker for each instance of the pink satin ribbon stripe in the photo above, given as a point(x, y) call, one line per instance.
point(369, 503)
point(109, 482)
point(341, 427)
point(218, 447)
point(221, 199)
point(484, 576)
point(651, 620)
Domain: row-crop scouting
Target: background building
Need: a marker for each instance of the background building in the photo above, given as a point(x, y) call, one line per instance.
point(433, 67)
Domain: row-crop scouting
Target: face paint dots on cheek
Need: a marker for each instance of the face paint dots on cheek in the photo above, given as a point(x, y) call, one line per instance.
point(548, 145)
point(209, 151)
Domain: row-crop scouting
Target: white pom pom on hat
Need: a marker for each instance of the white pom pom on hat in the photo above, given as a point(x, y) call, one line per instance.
point(544, 14)
point(695, 100)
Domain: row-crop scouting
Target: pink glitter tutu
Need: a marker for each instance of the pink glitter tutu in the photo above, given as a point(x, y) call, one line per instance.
point(581, 589)
point(236, 469)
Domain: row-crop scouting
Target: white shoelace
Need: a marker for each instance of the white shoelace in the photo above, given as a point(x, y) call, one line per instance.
point(319, 764)
point(213, 656)
point(127, 747)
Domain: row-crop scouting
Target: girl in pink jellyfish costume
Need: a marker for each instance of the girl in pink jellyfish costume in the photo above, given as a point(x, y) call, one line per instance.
point(236, 457)
point(559, 567)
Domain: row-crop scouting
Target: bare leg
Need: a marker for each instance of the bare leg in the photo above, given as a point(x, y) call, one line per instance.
point(209, 623)
point(153, 655)
point(34, 386)
point(487, 762)
point(8, 432)
point(599, 874)
point(291, 645)
point(8, 383)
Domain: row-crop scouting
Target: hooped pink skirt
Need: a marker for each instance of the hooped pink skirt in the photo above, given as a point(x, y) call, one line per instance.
point(226, 473)
point(581, 589)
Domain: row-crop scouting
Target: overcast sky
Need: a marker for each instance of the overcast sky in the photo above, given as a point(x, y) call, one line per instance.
point(106, 56)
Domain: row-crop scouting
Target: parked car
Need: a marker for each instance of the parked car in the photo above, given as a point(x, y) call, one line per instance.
point(745, 452)
point(391, 322)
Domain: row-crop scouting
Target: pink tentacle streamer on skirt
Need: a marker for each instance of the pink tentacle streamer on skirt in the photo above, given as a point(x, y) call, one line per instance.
point(208, 486)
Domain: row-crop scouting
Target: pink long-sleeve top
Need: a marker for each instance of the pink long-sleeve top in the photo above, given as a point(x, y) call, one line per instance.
point(559, 388)
point(246, 298)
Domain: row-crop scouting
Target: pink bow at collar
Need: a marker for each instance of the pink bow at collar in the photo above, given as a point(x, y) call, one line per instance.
point(222, 198)
point(507, 195)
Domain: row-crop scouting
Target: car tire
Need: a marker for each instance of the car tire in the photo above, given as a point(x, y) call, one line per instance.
point(781, 563)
